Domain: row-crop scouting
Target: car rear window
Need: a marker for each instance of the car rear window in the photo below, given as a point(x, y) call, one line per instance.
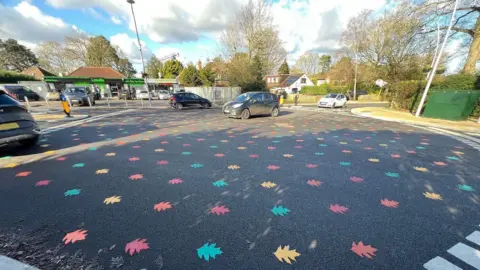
point(6, 99)
point(14, 89)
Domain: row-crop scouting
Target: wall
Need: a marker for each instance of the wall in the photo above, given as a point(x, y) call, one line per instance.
point(217, 95)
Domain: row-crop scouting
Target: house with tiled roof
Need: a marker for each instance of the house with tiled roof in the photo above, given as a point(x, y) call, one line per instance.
point(37, 72)
point(290, 83)
point(97, 72)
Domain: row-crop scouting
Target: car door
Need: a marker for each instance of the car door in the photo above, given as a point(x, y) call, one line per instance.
point(268, 102)
point(256, 105)
point(188, 100)
point(196, 100)
point(341, 100)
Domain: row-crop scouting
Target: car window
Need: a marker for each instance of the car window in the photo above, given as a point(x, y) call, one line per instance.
point(14, 89)
point(267, 97)
point(258, 97)
point(143, 92)
point(243, 97)
point(331, 96)
point(76, 90)
point(6, 99)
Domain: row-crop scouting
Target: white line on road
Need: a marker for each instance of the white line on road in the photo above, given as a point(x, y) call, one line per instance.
point(474, 237)
point(87, 120)
point(439, 263)
point(466, 254)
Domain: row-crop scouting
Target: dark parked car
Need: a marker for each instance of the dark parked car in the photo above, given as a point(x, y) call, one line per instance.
point(16, 123)
point(359, 93)
point(253, 103)
point(80, 95)
point(19, 92)
point(185, 99)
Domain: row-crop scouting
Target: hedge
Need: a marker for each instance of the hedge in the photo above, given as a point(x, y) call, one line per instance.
point(14, 77)
point(316, 90)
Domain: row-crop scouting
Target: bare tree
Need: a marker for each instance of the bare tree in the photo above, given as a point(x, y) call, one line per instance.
point(76, 48)
point(51, 56)
point(309, 62)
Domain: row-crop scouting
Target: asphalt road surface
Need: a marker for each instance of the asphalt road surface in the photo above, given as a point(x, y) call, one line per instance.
point(158, 188)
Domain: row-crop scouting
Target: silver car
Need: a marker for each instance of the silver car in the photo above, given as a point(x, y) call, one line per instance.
point(80, 95)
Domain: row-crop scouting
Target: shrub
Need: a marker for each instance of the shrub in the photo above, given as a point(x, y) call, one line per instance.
point(316, 90)
point(456, 82)
point(254, 87)
point(406, 95)
point(14, 77)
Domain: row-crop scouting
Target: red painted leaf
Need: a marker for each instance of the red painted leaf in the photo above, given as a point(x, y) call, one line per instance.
point(312, 166)
point(77, 235)
point(273, 167)
point(314, 183)
point(361, 250)
point(42, 183)
point(164, 142)
point(339, 209)
point(23, 174)
point(162, 206)
point(389, 203)
point(136, 177)
point(175, 181)
point(356, 179)
point(162, 162)
point(440, 163)
point(220, 210)
point(136, 245)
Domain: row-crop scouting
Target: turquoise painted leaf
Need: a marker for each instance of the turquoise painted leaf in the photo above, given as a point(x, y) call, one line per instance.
point(186, 153)
point(196, 165)
point(335, 136)
point(466, 188)
point(278, 136)
point(420, 147)
point(108, 139)
point(275, 141)
point(92, 149)
point(78, 165)
point(44, 140)
point(220, 183)
point(392, 174)
point(452, 158)
point(72, 192)
point(6, 157)
point(178, 137)
point(125, 132)
point(213, 146)
point(319, 154)
point(343, 163)
point(208, 251)
point(280, 211)
point(322, 145)
point(393, 141)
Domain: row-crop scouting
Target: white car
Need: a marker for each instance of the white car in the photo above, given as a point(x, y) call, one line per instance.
point(163, 94)
point(332, 101)
point(143, 94)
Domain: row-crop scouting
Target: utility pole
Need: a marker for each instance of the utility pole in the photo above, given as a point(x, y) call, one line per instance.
point(437, 61)
point(131, 2)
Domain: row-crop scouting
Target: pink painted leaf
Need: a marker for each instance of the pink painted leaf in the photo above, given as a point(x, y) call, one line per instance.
point(299, 140)
point(186, 145)
point(136, 146)
point(43, 183)
point(136, 177)
point(440, 163)
point(164, 142)
point(162, 162)
point(347, 151)
point(220, 210)
point(162, 206)
point(200, 140)
point(389, 203)
point(253, 156)
point(61, 159)
point(273, 167)
point(339, 209)
point(175, 181)
point(136, 245)
point(271, 148)
point(312, 166)
point(358, 140)
point(411, 152)
point(250, 142)
point(134, 159)
point(298, 147)
point(368, 148)
point(75, 236)
point(314, 183)
point(362, 250)
point(23, 174)
point(219, 155)
point(356, 179)
point(396, 156)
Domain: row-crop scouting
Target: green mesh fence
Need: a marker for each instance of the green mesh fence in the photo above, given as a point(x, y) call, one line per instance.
point(451, 105)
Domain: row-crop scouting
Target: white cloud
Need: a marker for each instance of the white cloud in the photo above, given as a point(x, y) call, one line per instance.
point(129, 46)
point(115, 20)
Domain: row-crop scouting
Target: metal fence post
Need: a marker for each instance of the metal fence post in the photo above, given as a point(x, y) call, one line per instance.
point(46, 100)
point(28, 103)
point(126, 104)
point(141, 100)
point(108, 101)
point(89, 102)
point(69, 103)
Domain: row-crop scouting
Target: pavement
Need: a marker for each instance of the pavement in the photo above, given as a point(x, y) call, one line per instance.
point(191, 189)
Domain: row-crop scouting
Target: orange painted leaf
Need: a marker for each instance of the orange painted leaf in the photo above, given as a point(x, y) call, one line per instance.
point(162, 206)
point(389, 203)
point(136, 177)
point(136, 245)
point(339, 209)
point(75, 236)
point(361, 250)
point(314, 183)
point(220, 210)
point(23, 174)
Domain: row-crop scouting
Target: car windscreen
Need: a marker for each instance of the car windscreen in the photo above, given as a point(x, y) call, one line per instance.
point(76, 90)
point(244, 97)
point(331, 96)
point(143, 92)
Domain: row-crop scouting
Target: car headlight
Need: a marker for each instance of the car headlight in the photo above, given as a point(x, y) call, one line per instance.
point(237, 106)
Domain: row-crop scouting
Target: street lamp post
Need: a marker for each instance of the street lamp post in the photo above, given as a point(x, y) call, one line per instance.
point(131, 2)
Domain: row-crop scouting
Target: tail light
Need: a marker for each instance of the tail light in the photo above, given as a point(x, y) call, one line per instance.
point(173, 98)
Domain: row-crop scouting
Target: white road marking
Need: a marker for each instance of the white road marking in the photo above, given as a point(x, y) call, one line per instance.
point(439, 263)
point(474, 237)
point(466, 254)
point(80, 122)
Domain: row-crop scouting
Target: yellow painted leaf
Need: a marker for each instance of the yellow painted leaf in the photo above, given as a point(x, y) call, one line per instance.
point(384, 145)
point(11, 165)
point(241, 148)
point(285, 254)
point(433, 196)
point(110, 154)
point(421, 169)
point(268, 184)
point(458, 153)
point(102, 171)
point(159, 150)
point(146, 139)
point(233, 167)
point(50, 152)
point(288, 155)
point(374, 160)
point(343, 143)
point(113, 199)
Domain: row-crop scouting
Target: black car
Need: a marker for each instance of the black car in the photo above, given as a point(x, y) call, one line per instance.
point(16, 123)
point(253, 103)
point(185, 99)
point(19, 92)
point(80, 95)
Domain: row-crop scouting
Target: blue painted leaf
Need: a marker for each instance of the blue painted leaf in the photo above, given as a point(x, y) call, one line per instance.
point(78, 165)
point(72, 192)
point(208, 251)
point(322, 145)
point(196, 165)
point(466, 188)
point(5, 157)
point(343, 163)
point(452, 158)
point(319, 154)
point(213, 146)
point(220, 183)
point(392, 174)
point(280, 211)
point(393, 141)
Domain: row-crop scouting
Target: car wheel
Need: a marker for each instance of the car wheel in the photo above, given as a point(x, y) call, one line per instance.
point(205, 106)
point(275, 112)
point(245, 114)
point(178, 106)
point(333, 105)
point(30, 142)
